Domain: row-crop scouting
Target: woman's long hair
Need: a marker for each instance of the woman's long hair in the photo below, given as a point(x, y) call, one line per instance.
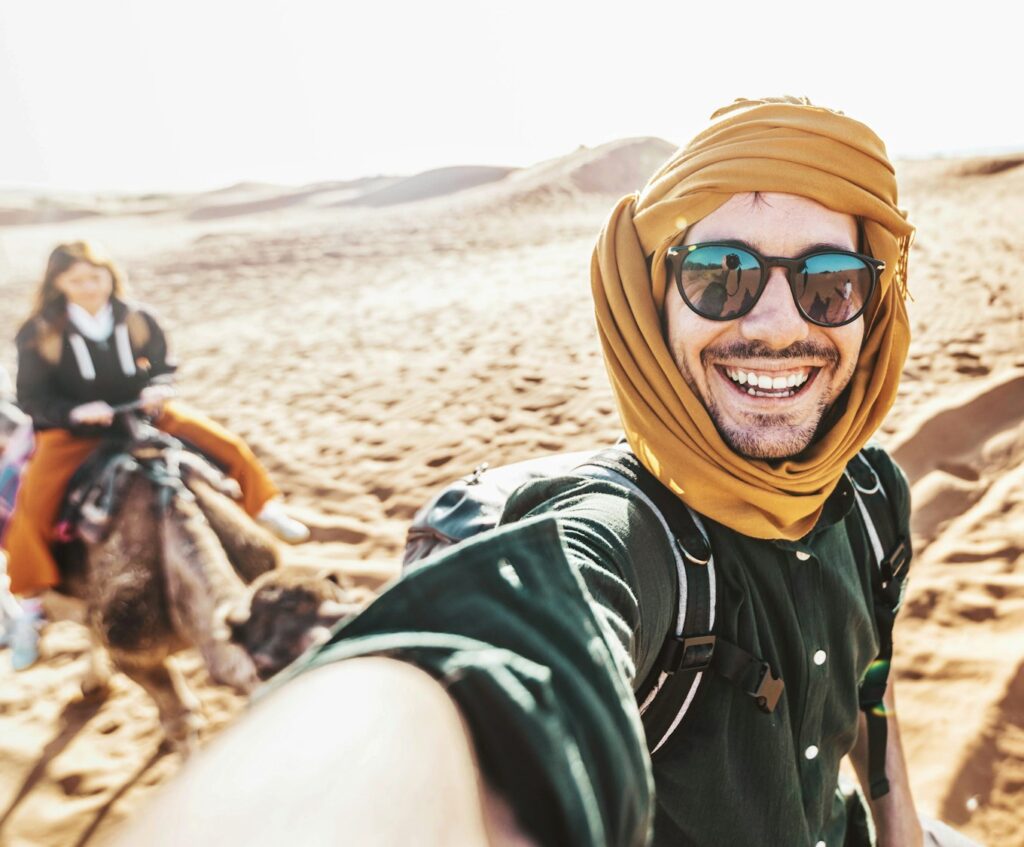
point(49, 300)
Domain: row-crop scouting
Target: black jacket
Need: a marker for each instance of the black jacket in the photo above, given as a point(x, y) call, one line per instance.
point(58, 368)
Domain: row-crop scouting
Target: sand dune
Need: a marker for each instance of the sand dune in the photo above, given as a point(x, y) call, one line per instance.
point(42, 215)
point(611, 169)
point(434, 183)
point(248, 198)
point(989, 165)
point(366, 376)
point(615, 168)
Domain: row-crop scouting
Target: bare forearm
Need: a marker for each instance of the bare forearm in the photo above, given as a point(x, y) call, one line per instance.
point(367, 751)
point(895, 815)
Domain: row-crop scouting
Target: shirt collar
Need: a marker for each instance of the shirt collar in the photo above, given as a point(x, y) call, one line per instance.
point(837, 506)
point(94, 327)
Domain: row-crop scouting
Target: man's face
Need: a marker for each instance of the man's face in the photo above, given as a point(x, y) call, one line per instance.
point(772, 340)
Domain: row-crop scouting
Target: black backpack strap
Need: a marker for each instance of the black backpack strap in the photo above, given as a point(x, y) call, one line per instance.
point(665, 695)
point(891, 553)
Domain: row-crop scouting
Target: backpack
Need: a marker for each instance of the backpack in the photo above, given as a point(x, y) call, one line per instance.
point(474, 504)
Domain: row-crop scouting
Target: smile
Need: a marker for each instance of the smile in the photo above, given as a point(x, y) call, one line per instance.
point(776, 384)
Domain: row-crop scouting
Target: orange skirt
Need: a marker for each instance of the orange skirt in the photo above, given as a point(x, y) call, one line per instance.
point(57, 456)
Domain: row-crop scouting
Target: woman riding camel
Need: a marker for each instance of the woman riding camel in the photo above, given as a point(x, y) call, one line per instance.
point(83, 350)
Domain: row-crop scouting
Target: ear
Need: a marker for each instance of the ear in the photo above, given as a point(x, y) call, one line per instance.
point(229, 621)
point(238, 615)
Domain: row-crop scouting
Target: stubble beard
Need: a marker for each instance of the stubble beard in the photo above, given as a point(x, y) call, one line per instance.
point(773, 436)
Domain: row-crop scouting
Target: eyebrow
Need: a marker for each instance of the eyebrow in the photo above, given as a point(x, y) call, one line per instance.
point(811, 248)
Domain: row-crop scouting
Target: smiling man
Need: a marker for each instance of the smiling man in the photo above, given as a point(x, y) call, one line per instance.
point(750, 306)
point(766, 369)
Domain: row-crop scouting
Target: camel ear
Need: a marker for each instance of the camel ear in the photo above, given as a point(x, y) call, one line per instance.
point(238, 614)
point(229, 622)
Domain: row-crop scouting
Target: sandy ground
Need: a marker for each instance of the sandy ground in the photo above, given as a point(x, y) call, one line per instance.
point(372, 352)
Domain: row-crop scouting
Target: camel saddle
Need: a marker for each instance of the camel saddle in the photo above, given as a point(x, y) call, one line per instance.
point(96, 491)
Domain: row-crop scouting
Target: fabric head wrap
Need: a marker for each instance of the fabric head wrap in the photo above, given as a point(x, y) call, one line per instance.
point(783, 145)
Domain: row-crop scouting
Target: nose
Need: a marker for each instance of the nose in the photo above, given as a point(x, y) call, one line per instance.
point(775, 320)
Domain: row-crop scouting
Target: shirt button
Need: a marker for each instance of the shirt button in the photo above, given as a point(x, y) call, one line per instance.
point(802, 556)
point(819, 657)
point(821, 844)
point(811, 752)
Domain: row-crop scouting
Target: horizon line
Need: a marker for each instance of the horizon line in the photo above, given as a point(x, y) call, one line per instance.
point(197, 188)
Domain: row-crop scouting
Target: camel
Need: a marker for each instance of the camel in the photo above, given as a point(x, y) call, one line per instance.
point(172, 570)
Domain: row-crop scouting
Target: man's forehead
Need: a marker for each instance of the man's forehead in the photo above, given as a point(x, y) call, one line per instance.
point(776, 224)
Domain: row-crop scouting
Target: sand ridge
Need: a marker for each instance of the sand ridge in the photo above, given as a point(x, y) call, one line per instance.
point(372, 354)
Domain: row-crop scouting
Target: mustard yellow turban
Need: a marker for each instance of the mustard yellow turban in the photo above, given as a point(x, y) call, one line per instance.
point(782, 145)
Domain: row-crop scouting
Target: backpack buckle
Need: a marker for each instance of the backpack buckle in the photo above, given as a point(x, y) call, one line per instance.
point(687, 654)
point(893, 564)
point(769, 690)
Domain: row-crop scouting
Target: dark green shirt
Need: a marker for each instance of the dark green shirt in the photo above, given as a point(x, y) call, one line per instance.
point(541, 628)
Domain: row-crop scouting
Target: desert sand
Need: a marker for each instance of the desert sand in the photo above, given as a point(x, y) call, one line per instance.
point(376, 339)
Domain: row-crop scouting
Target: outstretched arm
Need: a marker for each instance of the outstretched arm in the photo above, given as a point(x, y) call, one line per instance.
point(512, 650)
point(363, 751)
point(895, 815)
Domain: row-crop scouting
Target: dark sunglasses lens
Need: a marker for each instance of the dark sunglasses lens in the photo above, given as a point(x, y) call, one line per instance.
point(833, 288)
point(719, 282)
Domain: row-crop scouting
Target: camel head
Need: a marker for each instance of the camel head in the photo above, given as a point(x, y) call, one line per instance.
point(288, 613)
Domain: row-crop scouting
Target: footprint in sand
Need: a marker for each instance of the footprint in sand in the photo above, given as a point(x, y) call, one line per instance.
point(948, 432)
point(77, 785)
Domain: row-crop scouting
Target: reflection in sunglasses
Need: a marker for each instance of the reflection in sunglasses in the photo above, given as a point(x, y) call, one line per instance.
point(723, 282)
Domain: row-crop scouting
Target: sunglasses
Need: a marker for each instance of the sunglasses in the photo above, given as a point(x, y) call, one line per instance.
point(722, 281)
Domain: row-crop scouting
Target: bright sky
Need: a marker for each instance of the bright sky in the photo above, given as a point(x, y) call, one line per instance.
point(129, 95)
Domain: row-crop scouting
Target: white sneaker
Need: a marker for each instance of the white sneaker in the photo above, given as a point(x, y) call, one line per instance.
point(289, 530)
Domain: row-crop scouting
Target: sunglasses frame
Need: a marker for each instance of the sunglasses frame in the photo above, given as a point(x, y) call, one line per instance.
point(676, 255)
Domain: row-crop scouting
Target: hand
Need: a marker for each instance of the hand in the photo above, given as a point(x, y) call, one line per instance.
point(153, 398)
point(96, 413)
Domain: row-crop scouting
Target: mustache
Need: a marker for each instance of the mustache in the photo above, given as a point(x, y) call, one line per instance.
point(760, 350)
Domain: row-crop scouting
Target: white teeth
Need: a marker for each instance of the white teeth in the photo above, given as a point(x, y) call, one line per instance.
point(763, 382)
